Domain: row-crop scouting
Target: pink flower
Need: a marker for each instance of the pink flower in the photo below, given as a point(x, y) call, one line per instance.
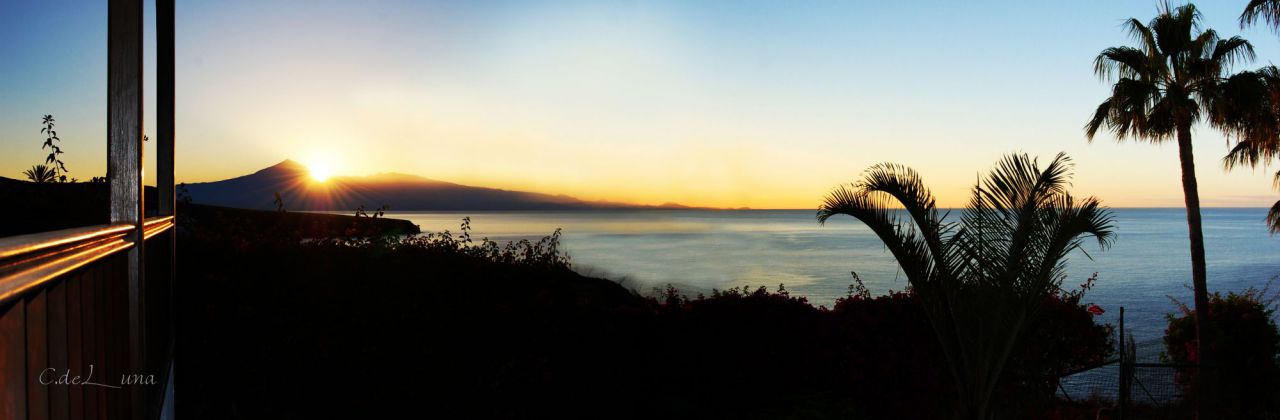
point(1096, 310)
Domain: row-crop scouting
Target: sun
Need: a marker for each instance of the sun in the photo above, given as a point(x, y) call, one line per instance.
point(320, 170)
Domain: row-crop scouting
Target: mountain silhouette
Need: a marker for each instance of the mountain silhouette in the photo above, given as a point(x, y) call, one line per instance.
point(293, 182)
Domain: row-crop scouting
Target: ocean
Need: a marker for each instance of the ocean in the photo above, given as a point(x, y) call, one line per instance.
point(700, 250)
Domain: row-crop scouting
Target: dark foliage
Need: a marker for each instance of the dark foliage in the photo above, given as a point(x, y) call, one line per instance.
point(1063, 338)
point(1246, 383)
point(361, 212)
point(285, 229)
point(446, 327)
point(40, 207)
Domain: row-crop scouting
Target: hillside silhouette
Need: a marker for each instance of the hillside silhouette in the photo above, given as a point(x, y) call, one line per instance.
point(293, 182)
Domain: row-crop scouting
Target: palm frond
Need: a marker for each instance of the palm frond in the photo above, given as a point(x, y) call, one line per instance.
point(1266, 10)
point(1273, 216)
point(1173, 29)
point(1127, 112)
point(905, 185)
point(1101, 116)
point(1017, 182)
point(1203, 45)
point(1006, 215)
point(1232, 50)
point(1123, 62)
point(1244, 106)
point(1068, 223)
point(873, 210)
point(1143, 34)
point(1162, 118)
point(1247, 153)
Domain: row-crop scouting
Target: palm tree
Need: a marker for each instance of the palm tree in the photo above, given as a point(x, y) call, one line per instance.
point(982, 278)
point(40, 173)
point(1162, 88)
point(1257, 146)
point(1252, 118)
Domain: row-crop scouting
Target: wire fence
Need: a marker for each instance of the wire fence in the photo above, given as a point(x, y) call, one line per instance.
point(1150, 380)
point(1138, 376)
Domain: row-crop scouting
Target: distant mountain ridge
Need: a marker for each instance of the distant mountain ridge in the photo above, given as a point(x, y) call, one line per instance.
point(293, 182)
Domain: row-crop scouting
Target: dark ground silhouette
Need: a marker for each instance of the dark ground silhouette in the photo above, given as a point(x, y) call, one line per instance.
point(439, 329)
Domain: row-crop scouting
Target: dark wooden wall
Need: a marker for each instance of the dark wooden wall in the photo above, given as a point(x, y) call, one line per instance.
point(78, 321)
point(70, 324)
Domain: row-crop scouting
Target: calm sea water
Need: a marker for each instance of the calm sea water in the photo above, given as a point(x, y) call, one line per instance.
point(700, 250)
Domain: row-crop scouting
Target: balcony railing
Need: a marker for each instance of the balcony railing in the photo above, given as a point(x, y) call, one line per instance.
point(66, 347)
point(28, 261)
point(86, 314)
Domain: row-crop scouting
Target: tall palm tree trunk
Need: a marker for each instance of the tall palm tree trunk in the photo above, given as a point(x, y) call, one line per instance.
point(1191, 192)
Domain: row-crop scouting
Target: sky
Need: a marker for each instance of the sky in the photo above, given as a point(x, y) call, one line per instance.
point(706, 103)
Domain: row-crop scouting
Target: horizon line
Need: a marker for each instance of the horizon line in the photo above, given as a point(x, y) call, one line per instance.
point(657, 208)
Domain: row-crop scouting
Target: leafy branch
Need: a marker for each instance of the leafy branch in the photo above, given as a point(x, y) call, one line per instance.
point(57, 169)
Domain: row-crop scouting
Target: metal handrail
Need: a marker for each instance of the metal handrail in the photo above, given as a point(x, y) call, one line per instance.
point(28, 261)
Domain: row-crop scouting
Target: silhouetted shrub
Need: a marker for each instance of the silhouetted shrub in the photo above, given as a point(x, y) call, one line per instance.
point(908, 372)
point(891, 357)
point(1245, 343)
point(1061, 339)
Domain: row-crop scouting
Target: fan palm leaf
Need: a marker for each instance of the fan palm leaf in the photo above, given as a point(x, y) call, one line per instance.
point(40, 173)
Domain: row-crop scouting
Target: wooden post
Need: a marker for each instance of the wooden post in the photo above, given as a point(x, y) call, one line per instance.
point(124, 155)
point(164, 107)
point(165, 166)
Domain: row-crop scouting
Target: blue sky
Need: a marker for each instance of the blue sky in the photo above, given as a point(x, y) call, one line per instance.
point(760, 104)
